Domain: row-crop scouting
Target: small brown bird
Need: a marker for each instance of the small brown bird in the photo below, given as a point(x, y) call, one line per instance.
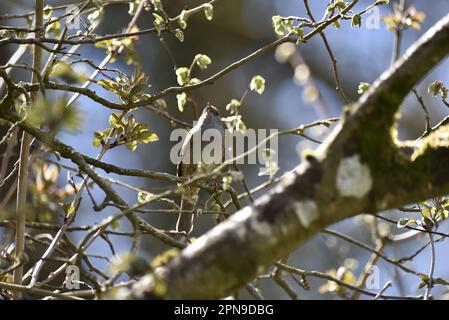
point(210, 119)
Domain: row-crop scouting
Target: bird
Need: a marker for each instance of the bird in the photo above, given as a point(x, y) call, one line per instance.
point(187, 166)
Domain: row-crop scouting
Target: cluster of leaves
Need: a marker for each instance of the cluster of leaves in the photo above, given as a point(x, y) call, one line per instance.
point(340, 5)
point(235, 121)
point(54, 26)
point(430, 215)
point(183, 77)
point(437, 88)
point(163, 22)
point(126, 132)
point(53, 23)
point(356, 19)
point(128, 89)
point(285, 25)
point(129, 54)
point(336, 5)
point(425, 281)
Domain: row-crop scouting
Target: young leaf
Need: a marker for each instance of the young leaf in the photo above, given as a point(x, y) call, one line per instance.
point(363, 87)
point(182, 100)
point(182, 75)
point(208, 11)
point(202, 61)
point(257, 84)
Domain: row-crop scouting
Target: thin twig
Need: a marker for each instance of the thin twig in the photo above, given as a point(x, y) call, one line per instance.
point(24, 157)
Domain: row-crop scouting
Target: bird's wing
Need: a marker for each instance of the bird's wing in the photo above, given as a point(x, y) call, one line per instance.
point(185, 152)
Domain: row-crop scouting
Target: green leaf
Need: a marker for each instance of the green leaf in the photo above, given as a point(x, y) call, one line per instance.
point(425, 280)
point(428, 222)
point(202, 61)
point(132, 8)
point(157, 4)
point(435, 88)
point(158, 22)
point(160, 104)
point(96, 142)
point(404, 222)
point(95, 16)
point(337, 24)
point(282, 25)
point(110, 85)
point(147, 137)
point(182, 100)
point(356, 21)
point(132, 146)
point(257, 84)
point(208, 11)
point(194, 81)
point(143, 197)
point(98, 138)
point(48, 11)
point(298, 31)
point(179, 34)
point(183, 17)
point(182, 75)
point(54, 27)
point(428, 211)
point(116, 120)
point(441, 281)
point(233, 106)
point(363, 87)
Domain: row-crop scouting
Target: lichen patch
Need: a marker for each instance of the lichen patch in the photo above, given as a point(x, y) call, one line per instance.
point(353, 177)
point(306, 211)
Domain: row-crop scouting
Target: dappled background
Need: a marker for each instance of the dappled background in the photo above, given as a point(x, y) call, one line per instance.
point(290, 99)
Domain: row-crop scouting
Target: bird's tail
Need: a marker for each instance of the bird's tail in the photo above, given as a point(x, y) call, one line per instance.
point(185, 219)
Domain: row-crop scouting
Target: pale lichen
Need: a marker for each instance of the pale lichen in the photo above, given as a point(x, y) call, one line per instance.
point(306, 211)
point(353, 177)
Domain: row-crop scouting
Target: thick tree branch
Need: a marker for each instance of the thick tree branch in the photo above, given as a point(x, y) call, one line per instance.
point(358, 169)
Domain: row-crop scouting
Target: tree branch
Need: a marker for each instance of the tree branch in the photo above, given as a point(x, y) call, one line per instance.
point(358, 169)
